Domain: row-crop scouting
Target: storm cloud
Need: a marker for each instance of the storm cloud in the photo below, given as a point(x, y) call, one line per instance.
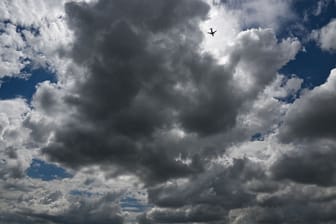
point(311, 117)
point(146, 76)
point(154, 121)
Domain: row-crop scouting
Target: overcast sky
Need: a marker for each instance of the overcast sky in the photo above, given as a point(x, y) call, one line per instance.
point(128, 111)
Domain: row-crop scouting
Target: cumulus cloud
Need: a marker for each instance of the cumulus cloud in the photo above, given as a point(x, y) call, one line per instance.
point(13, 139)
point(261, 13)
point(308, 125)
point(87, 197)
point(310, 164)
point(310, 116)
point(144, 113)
point(32, 34)
point(321, 5)
point(141, 84)
point(326, 36)
point(12, 46)
point(208, 197)
point(104, 210)
point(258, 56)
point(72, 209)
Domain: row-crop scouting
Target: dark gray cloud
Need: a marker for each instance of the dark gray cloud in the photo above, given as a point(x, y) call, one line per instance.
point(295, 204)
point(208, 197)
point(150, 104)
point(311, 163)
point(87, 211)
point(137, 61)
point(308, 126)
point(145, 76)
point(245, 193)
point(311, 117)
point(14, 218)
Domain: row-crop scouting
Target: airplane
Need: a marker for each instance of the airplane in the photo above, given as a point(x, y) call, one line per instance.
point(212, 32)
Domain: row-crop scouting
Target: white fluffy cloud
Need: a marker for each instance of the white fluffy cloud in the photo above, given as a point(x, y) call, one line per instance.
point(261, 13)
point(229, 17)
point(11, 50)
point(14, 139)
point(326, 36)
point(32, 32)
point(258, 56)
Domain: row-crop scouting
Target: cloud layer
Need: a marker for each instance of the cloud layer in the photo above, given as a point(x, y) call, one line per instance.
point(156, 127)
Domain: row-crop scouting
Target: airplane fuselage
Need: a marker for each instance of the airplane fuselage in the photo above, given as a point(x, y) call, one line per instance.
point(212, 32)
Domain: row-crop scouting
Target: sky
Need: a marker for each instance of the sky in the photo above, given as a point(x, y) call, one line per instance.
point(124, 111)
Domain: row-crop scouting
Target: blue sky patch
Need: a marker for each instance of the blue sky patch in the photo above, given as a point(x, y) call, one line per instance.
point(34, 30)
point(130, 204)
point(257, 137)
point(12, 87)
point(307, 12)
point(19, 28)
point(307, 18)
point(40, 169)
point(313, 66)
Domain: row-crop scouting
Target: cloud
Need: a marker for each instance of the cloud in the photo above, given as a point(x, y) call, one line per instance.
point(264, 115)
point(32, 34)
point(326, 36)
point(12, 46)
point(309, 117)
point(262, 13)
point(259, 56)
point(243, 192)
point(133, 89)
point(13, 139)
point(321, 6)
point(103, 210)
point(143, 112)
point(56, 201)
point(206, 198)
point(146, 76)
point(310, 164)
point(308, 127)
point(86, 211)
